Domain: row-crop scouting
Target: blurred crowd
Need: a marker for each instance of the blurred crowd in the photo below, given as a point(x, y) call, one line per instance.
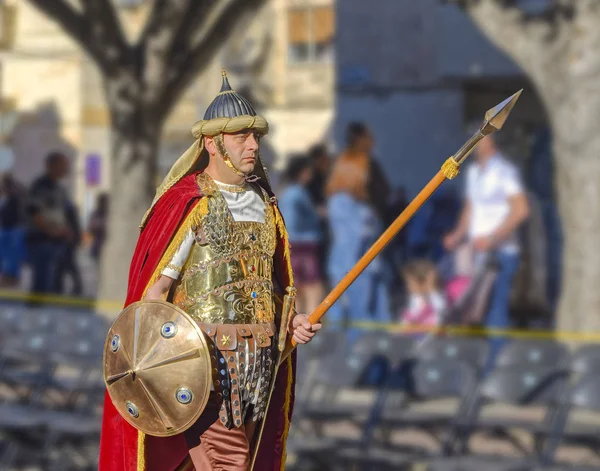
point(456, 261)
point(40, 228)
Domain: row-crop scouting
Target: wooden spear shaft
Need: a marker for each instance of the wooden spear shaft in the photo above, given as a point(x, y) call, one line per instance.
point(494, 120)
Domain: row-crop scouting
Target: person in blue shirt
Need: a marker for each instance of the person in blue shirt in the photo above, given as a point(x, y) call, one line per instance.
point(305, 233)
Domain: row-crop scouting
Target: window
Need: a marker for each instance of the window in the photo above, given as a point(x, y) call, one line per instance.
point(310, 34)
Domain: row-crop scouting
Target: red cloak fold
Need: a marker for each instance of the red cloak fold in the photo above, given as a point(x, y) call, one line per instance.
point(119, 440)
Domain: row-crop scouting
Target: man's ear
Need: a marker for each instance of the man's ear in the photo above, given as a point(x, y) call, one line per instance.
point(209, 143)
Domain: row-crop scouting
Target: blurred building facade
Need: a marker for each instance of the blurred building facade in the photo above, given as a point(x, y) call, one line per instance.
point(52, 95)
point(418, 73)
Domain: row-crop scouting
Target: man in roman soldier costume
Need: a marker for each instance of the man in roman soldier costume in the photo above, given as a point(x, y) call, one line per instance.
point(192, 364)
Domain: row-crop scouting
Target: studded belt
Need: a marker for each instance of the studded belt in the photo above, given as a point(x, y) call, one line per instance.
point(243, 364)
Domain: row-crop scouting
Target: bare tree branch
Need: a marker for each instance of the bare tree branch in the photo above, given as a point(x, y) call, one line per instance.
point(170, 24)
point(199, 14)
point(110, 31)
point(156, 19)
point(221, 21)
point(96, 29)
point(173, 17)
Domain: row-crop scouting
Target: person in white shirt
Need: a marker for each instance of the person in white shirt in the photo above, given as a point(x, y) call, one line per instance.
point(495, 206)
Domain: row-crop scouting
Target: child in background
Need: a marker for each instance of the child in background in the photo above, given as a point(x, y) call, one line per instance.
point(426, 299)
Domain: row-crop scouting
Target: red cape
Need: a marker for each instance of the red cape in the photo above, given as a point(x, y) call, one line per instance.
point(119, 440)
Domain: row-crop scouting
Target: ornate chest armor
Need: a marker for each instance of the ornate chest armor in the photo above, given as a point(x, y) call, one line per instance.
point(227, 279)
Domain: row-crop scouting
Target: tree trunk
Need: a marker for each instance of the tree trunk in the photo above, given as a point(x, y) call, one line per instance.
point(577, 151)
point(135, 138)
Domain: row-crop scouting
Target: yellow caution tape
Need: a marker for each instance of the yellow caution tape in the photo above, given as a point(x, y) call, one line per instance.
point(117, 306)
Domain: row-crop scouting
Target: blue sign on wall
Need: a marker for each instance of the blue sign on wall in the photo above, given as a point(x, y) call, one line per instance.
point(93, 169)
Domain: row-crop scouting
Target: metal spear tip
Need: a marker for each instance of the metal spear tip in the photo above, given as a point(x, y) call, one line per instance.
point(496, 116)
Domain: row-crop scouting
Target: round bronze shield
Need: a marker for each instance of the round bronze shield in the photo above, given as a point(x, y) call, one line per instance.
point(157, 368)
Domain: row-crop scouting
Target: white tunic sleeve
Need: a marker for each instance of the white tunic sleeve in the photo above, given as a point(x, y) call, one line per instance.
point(173, 269)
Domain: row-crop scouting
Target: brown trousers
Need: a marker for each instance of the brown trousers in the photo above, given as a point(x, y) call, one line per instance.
point(215, 448)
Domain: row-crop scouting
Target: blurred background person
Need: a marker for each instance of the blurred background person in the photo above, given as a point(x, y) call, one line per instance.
point(360, 142)
point(355, 221)
point(426, 229)
point(48, 232)
point(426, 301)
point(305, 233)
point(68, 264)
point(12, 230)
point(321, 167)
point(97, 226)
point(495, 206)
point(446, 209)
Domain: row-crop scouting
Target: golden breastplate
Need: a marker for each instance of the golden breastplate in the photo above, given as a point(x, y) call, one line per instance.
point(227, 278)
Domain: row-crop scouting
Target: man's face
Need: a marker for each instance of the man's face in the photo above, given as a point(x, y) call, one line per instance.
point(366, 142)
point(415, 286)
point(306, 175)
point(242, 148)
point(59, 168)
point(322, 162)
